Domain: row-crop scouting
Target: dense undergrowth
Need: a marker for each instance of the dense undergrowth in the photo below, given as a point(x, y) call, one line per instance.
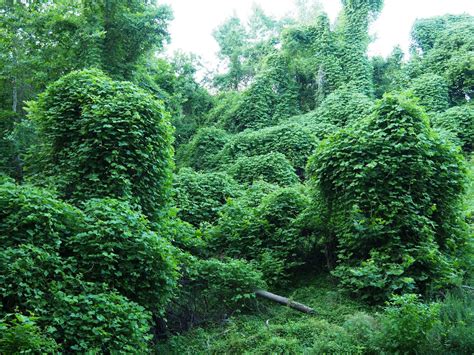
point(139, 213)
point(340, 325)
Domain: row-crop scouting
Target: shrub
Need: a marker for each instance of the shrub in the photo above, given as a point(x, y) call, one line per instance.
point(103, 138)
point(118, 249)
point(227, 283)
point(19, 334)
point(406, 323)
point(343, 106)
point(34, 216)
point(272, 167)
point(456, 328)
point(459, 120)
point(103, 322)
point(212, 290)
point(199, 196)
point(26, 273)
point(185, 236)
point(201, 152)
point(432, 90)
point(391, 203)
point(293, 141)
point(267, 233)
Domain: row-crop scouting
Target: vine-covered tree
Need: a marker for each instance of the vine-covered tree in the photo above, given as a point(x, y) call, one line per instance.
point(103, 138)
point(389, 190)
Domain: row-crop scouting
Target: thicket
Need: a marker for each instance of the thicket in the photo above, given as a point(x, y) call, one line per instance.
point(200, 196)
point(273, 168)
point(343, 106)
point(444, 46)
point(111, 251)
point(459, 121)
point(202, 151)
point(58, 250)
point(432, 90)
point(389, 189)
point(225, 286)
point(264, 226)
point(296, 143)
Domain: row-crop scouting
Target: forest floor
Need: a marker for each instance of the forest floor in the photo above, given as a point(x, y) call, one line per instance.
point(273, 327)
point(248, 333)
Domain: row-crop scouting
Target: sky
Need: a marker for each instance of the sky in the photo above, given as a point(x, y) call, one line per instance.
point(194, 21)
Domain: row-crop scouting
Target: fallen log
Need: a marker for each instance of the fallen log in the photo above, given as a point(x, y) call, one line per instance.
point(284, 301)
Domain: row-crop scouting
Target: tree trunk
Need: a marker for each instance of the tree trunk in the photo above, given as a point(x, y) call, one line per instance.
point(15, 96)
point(284, 301)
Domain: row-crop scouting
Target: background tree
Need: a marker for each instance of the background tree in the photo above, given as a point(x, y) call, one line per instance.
point(354, 31)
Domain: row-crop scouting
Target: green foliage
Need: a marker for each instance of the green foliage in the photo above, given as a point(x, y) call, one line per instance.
point(99, 323)
point(184, 236)
point(104, 138)
point(455, 332)
point(224, 110)
point(271, 96)
point(117, 248)
point(275, 328)
point(342, 325)
point(389, 73)
point(242, 48)
point(30, 215)
point(174, 82)
point(425, 32)
point(20, 334)
point(432, 90)
point(101, 276)
point(263, 226)
point(389, 193)
point(256, 109)
point(129, 30)
point(406, 324)
point(293, 141)
point(8, 148)
point(459, 121)
point(320, 129)
point(26, 274)
point(201, 152)
point(446, 45)
point(199, 196)
point(354, 26)
point(342, 107)
point(228, 284)
point(212, 290)
point(195, 100)
point(53, 247)
point(231, 37)
point(272, 167)
point(312, 50)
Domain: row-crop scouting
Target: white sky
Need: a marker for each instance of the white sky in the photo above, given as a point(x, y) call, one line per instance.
point(191, 30)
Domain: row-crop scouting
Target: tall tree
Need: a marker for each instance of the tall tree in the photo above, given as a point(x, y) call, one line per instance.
point(232, 39)
point(131, 29)
point(355, 20)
